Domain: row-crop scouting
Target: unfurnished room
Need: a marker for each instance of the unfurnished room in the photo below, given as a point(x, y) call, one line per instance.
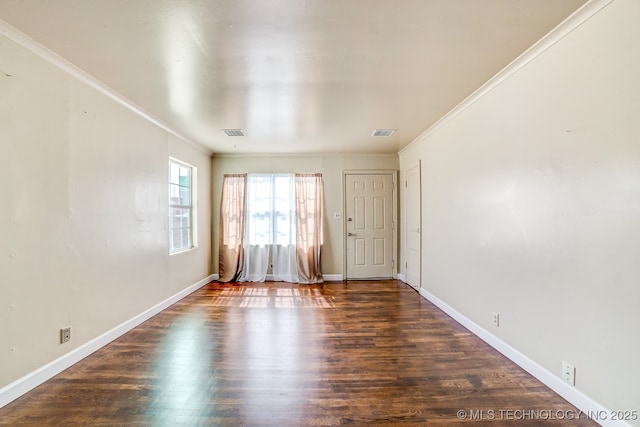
point(320, 212)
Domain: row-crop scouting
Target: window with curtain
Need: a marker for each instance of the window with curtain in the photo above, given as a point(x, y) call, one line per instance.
point(281, 227)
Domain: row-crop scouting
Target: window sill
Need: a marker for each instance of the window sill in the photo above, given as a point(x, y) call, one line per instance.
point(182, 251)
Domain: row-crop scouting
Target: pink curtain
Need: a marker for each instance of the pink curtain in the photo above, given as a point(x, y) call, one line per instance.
point(309, 217)
point(232, 226)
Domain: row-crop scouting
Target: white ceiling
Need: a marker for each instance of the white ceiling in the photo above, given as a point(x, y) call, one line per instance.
point(297, 76)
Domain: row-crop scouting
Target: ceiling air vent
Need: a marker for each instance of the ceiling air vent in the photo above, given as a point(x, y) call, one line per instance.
point(233, 132)
point(383, 132)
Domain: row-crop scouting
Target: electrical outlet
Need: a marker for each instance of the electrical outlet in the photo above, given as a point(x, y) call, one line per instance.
point(65, 335)
point(568, 373)
point(495, 318)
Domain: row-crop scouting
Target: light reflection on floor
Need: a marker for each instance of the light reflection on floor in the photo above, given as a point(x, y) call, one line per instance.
point(272, 297)
point(183, 381)
point(271, 341)
point(277, 347)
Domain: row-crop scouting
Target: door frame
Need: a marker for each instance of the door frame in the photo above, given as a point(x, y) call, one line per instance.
point(394, 216)
point(405, 223)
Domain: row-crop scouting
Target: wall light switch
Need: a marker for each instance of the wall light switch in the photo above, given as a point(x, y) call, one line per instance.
point(337, 215)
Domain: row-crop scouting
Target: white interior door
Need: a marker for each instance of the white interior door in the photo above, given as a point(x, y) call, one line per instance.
point(412, 229)
point(369, 226)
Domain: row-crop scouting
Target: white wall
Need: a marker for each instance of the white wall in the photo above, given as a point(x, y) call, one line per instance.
point(83, 213)
point(330, 165)
point(531, 207)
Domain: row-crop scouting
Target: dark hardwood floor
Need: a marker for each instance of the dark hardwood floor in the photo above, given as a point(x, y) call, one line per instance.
point(277, 354)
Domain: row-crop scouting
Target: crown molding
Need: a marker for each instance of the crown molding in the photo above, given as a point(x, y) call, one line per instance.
point(11, 33)
point(309, 154)
point(573, 21)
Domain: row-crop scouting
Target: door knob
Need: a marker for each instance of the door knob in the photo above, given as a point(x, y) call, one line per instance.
point(349, 234)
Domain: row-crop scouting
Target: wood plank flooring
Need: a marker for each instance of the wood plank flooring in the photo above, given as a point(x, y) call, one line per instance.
point(279, 354)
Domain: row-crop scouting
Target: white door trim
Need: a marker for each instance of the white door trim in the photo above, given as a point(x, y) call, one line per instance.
point(394, 215)
point(405, 229)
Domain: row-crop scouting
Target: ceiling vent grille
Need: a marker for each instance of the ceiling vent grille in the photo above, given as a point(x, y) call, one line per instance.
point(233, 132)
point(383, 132)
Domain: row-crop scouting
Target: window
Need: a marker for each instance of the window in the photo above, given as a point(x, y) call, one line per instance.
point(270, 210)
point(181, 206)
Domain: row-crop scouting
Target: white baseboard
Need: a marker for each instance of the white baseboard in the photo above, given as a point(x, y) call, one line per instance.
point(401, 278)
point(325, 277)
point(584, 403)
point(33, 379)
point(571, 394)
